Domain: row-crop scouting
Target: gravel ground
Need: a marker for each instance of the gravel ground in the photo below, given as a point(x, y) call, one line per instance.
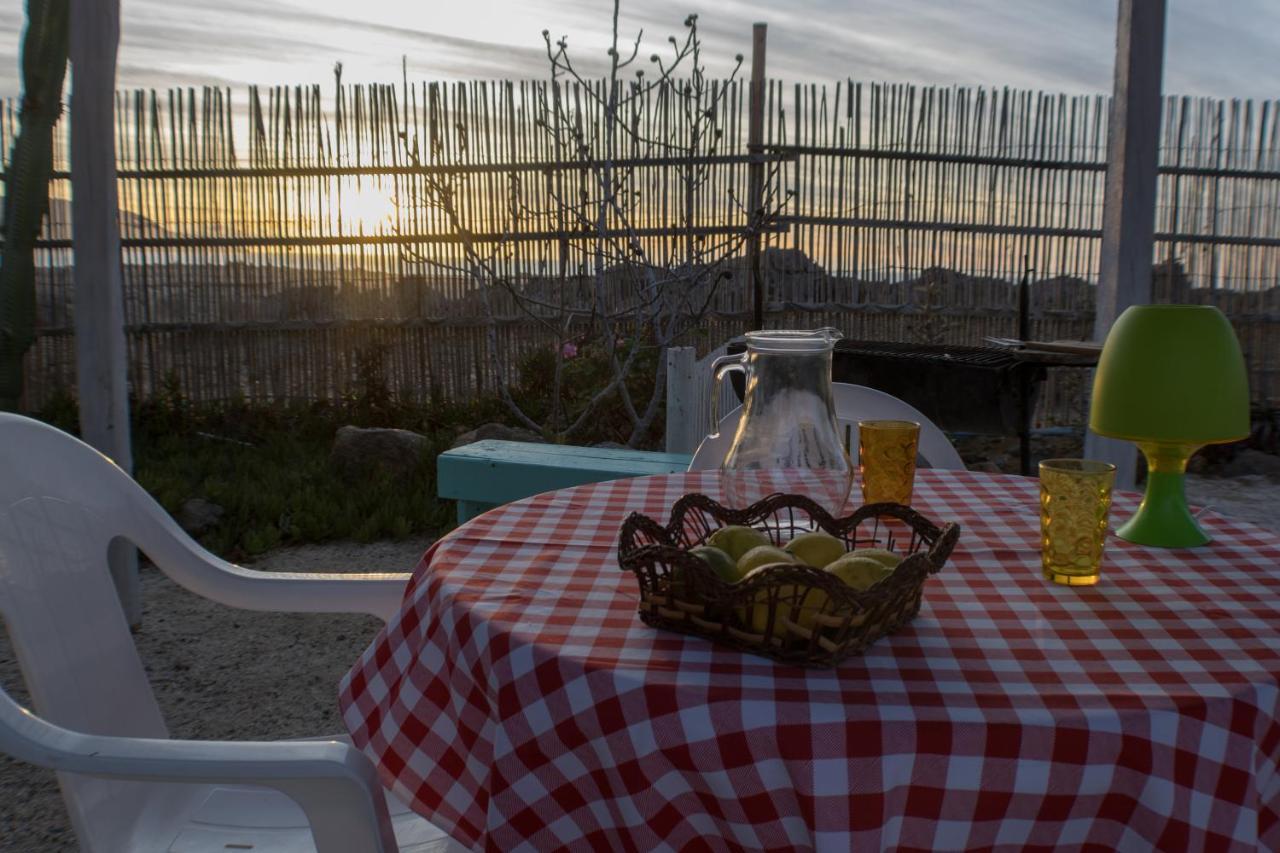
point(1251, 498)
point(217, 671)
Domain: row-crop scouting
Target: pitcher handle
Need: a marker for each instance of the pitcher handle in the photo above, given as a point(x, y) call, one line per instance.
point(722, 365)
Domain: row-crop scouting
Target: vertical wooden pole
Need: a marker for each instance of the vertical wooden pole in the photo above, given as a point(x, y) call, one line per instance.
point(685, 411)
point(1129, 202)
point(101, 355)
point(755, 171)
point(1025, 376)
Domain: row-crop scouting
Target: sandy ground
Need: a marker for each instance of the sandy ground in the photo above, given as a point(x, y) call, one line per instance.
point(1252, 498)
point(217, 672)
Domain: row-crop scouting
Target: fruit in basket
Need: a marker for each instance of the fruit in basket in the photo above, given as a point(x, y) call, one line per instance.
point(762, 555)
point(858, 571)
point(720, 562)
point(815, 548)
point(812, 604)
point(889, 559)
point(736, 540)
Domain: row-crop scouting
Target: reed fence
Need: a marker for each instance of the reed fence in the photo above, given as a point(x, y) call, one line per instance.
point(268, 242)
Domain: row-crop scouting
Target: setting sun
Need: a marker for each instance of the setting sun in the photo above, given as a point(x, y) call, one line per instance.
point(367, 205)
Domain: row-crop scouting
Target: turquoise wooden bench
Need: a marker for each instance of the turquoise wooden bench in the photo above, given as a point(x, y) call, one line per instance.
point(490, 473)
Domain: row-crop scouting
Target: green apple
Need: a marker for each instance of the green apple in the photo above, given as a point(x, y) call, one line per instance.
point(815, 548)
point(720, 562)
point(812, 605)
point(859, 572)
point(888, 559)
point(736, 540)
point(762, 555)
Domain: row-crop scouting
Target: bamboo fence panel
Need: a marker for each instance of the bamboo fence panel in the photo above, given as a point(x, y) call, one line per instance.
point(271, 242)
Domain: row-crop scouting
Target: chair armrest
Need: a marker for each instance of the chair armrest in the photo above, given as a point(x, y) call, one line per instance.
point(289, 592)
point(376, 594)
point(185, 562)
point(334, 784)
point(131, 513)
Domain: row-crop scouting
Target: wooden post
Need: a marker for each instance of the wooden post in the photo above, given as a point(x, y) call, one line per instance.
point(101, 355)
point(1025, 377)
point(755, 171)
point(683, 415)
point(1129, 203)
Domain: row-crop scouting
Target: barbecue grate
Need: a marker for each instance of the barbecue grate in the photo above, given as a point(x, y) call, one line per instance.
point(988, 357)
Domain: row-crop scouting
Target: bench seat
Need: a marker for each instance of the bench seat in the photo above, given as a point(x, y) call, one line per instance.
point(490, 473)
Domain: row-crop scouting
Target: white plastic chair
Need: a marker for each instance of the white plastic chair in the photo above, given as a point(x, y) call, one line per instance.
point(853, 403)
point(127, 786)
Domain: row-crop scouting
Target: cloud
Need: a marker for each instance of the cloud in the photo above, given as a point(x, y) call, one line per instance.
point(1054, 45)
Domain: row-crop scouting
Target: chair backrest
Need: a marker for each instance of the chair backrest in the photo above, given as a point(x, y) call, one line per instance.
point(853, 403)
point(61, 505)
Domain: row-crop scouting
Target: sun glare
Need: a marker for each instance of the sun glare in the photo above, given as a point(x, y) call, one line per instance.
point(368, 205)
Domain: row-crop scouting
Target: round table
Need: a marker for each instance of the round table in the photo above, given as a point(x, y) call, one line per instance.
point(518, 701)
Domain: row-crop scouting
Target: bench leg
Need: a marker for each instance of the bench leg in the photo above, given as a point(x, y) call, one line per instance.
point(468, 510)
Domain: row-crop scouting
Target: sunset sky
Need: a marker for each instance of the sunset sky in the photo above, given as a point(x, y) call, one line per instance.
point(1225, 48)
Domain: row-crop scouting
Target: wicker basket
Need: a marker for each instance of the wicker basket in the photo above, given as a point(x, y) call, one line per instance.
point(793, 613)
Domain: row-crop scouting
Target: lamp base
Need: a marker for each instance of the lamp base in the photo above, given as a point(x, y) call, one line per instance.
point(1164, 520)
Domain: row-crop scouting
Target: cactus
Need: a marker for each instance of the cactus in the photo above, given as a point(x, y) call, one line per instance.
point(26, 188)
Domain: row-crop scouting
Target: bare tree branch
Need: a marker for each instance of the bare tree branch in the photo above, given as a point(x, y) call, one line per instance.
point(630, 298)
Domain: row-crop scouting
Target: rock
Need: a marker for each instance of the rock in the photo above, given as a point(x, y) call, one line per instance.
point(1248, 462)
point(197, 515)
point(998, 463)
point(1006, 464)
point(358, 451)
point(498, 432)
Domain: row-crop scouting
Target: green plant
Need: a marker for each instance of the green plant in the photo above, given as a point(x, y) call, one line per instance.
point(268, 467)
point(61, 410)
point(370, 402)
point(581, 377)
point(168, 410)
point(267, 464)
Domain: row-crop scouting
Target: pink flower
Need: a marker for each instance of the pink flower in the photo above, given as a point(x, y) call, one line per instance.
point(569, 350)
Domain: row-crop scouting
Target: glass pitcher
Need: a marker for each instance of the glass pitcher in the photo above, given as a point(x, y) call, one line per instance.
point(787, 439)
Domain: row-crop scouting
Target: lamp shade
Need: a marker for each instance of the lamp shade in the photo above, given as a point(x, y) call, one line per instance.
point(1171, 374)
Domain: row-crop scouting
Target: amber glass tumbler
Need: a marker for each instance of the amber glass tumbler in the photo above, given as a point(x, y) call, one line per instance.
point(1075, 502)
point(887, 460)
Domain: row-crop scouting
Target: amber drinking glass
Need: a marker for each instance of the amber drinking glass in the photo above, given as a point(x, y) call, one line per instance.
point(887, 460)
point(1075, 500)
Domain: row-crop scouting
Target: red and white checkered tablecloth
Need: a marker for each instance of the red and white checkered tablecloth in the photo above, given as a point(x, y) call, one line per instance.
point(519, 702)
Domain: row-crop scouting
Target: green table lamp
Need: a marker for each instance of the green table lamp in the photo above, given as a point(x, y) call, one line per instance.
point(1171, 379)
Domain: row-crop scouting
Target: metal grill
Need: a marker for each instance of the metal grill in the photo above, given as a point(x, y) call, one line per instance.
point(960, 388)
point(985, 357)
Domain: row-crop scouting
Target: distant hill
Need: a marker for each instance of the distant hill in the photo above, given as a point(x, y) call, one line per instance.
point(131, 224)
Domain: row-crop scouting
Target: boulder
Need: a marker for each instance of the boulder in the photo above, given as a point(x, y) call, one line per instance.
point(498, 432)
point(197, 515)
point(358, 451)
